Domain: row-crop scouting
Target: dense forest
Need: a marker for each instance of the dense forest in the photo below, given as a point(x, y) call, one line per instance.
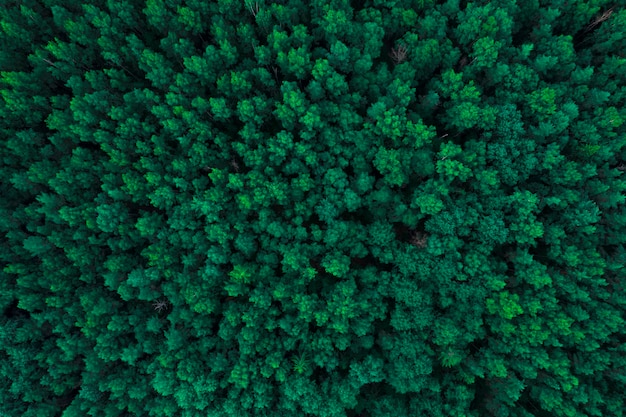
point(325, 208)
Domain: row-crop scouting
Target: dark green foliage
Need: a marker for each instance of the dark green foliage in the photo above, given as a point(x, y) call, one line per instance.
point(333, 209)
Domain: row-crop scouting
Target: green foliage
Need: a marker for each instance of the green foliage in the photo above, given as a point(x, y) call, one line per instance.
point(301, 363)
point(506, 305)
point(373, 208)
point(240, 274)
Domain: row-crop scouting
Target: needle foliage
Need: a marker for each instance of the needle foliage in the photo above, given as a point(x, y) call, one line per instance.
point(312, 208)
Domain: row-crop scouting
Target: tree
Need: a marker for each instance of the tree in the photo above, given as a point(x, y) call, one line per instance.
point(332, 209)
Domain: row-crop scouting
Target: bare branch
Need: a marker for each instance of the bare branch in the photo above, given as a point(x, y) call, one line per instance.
point(160, 305)
point(254, 9)
point(398, 54)
point(604, 16)
point(47, 61)
point(419, 239)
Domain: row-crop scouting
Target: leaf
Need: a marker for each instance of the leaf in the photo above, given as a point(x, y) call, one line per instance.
point(301, 363)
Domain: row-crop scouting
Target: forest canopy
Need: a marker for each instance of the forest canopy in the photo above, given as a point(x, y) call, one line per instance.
point(335, 208)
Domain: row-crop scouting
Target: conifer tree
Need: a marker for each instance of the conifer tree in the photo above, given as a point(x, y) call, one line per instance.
point(348, 208)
